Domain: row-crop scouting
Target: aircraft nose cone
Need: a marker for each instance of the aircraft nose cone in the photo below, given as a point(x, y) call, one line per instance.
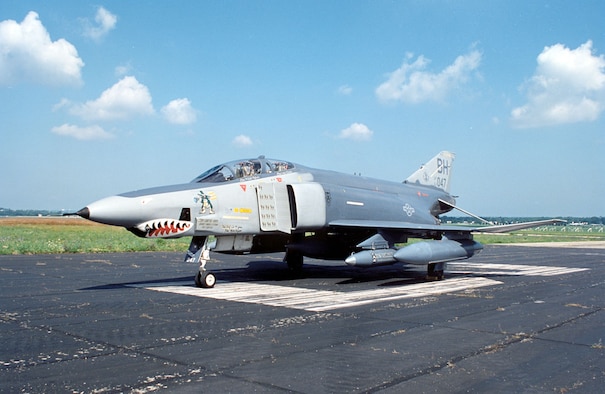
point(119, 211)
point(84, 212)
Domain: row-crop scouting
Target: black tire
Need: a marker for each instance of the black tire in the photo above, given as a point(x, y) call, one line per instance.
point(433, 273)
point(205, 280)
point(294, 261)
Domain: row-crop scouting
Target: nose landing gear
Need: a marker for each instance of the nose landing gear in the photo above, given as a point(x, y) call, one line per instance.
point(205, 279)
point(199, 252)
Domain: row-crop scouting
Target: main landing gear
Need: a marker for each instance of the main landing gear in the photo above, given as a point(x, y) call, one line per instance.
point(294, 261)
point(199, 252)
point(435, 271)
point(294, 258)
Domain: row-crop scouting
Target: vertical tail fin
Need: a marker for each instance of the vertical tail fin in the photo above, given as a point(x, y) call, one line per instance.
point(437, 172)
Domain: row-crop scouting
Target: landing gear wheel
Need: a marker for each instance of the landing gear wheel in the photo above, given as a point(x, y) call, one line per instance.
point(437, 275)
point(205, 280)
point(294, 261)
point(435, 272)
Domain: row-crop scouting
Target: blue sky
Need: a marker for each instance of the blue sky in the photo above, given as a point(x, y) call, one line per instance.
point(100, 98)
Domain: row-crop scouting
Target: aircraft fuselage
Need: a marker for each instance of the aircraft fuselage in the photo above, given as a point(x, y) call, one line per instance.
point(265, 207)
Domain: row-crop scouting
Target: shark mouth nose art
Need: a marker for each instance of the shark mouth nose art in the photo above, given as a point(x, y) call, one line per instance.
point(160, 228)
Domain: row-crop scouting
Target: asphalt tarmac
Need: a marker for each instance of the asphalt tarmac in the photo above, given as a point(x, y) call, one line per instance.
point(511, 319)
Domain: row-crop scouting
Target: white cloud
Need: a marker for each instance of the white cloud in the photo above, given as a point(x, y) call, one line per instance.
point(105, 22)
point(179, 111)
point(61, 104)
point(356, 132)
point(242, 141)
point(412, 84)
point(568, 86)
point(345, 90)
point(123, 69)
point(28, 54)
point(124, 100)
point(82, 133)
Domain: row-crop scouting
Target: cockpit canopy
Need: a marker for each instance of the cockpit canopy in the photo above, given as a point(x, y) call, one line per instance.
point(243, 169)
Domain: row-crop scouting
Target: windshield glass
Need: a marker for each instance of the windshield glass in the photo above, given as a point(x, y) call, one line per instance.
point(243, 169)
point(215, 175)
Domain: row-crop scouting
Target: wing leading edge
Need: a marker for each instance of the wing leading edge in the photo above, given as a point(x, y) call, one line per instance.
point(505, 228)
point(416, 228)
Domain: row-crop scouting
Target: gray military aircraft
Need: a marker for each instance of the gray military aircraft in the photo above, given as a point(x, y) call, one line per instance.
point(263, 205)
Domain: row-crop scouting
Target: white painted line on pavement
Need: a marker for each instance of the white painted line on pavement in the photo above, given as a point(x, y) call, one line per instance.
point(319, 300)
point(326, 300)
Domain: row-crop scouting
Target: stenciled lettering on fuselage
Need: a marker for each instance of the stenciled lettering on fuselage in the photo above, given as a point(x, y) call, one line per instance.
point(231, 228)
point(203, 224)
point(242, 210)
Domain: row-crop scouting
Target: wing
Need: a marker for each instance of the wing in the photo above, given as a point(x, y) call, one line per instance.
point(505, 228)
point(407, 229)
point(421, 229)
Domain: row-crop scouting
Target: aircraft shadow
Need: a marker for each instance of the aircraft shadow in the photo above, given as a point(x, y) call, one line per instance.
point(277, 271)
point(114, 286)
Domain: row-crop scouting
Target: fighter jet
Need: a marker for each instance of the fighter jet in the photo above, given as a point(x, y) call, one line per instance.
point(265, 205)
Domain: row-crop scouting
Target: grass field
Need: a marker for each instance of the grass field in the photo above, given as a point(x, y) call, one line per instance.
point(43, 235)
point(47, 235)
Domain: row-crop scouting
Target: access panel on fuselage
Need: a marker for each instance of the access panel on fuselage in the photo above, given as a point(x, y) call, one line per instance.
point(286, 207)
point(274, 207)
